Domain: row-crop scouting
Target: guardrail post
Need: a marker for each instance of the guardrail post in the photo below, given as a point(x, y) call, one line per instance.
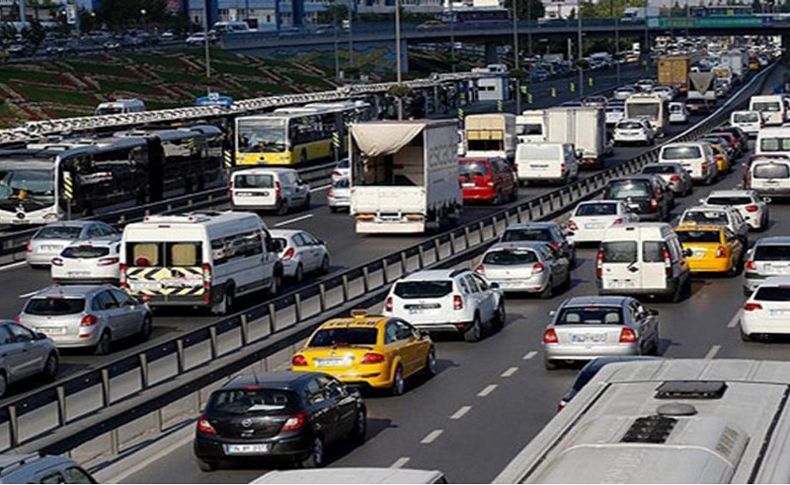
point(421, 256)
point(245, 330)
point(144, 369)
point(519, 214)
point(298, 307)
point(61, 405)
point(212, 332)
point(365, 279)
point(436, 245)
point(467, 240)
point(551, 204)
point(494, 232)
point(115, 445)
point(13, 426)
point(160, 420)
point(272, 318)
point(452, 243)
point(180, 356)
point(384, 273)
point(403, 269)
point(105, 387)
point(322, 296)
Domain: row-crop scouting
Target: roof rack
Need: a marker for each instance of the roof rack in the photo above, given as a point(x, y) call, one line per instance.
point(691, 390)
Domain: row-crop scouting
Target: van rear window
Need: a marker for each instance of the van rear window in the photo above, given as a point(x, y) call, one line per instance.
point(164, 254)
point(653, 251)
point(628, 188)
point(775, 144)
point(746, 118)
point(473, 169)
point(771, 171)
point(250, 181)
point(699, 236)
point(619, 251)
point(87, 252)
point(680, 153)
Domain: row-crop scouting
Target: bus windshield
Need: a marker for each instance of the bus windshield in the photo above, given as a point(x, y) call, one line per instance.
point(642, 110)
point(33, 189)
point(262, 136)
point(767, 106)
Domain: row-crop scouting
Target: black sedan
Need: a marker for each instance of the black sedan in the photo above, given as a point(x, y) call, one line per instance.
point(645, 195)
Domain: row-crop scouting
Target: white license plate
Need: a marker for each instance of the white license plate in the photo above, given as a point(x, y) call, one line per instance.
point(416, 311)
point(578, 339)
point(469, 184)
point(145, 285)
point(621, 284)
point(52, 330)
point(770, 268)
point(245, 449)
point(78, 273)
point(49, 248)
point(252, 194)
point(595, 225)
point(779, 313)
point(698, 253)
point(331, 362)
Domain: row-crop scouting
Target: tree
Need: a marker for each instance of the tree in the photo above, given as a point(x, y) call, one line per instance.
point(34, 35)
point(527, 9)
point(572, 14)
point(334, 12)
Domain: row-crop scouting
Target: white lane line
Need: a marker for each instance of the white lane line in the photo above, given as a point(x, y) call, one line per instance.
point(295, 219)
point(712, 352)
point(323, 187)
point(509, 372)
point(12, 265)
point(487, 390)
point(28, 295)
point(530, 355)
point(735, 319)
point(431, 437)
point(400, 462)
point(461, 412)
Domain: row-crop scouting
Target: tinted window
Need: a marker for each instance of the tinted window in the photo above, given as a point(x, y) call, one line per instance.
point(594, 315)
point(342, 183)
point(251, 401)
point(619, 252)
point(536, 234)
point(729, 200)
point(746, 118)
point(772, 253)
point(55, 306)
point(329, 337)
point(5, 335)
point(659, 168)
point(629, 125)
point(103, 301)
point(473, 169)
point(423, 289)
point(85, 252)
point(773, 293)
point(54, 477)
point(628, 188)
point(679, 153)
point(253, 181)
point(771, 171)
point(77, 475)
point(699, 236)
point(769, 106)
point(597, 210)
point(20, 333)
point(653, 251)
point(529, 129)
point(59, 232)
point(510, 257)
point(706, 217)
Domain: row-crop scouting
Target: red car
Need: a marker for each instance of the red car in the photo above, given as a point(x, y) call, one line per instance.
point(487, 180)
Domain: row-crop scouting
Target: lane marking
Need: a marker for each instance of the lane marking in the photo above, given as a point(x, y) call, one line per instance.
point(12, 265)
point(530, 355)
point(323, 187)
point(487, 390)
point(461, 412)
point(28, 295)
point(431, 437)
point(509, 372)
point(400, 462)
point(735, 320)
point(712, 352)
point(295, 219)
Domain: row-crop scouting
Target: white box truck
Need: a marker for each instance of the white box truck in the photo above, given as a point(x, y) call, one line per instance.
point(585, 127)
point(702, 92)
point(491, 135)
point(404, 176)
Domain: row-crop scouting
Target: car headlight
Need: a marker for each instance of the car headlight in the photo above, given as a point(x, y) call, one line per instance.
point(50, 217)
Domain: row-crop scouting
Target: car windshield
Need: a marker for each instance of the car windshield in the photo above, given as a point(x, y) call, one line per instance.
point(629, 125)
point(593, 315)
point(423, 289)
point(85, 252)
point(262, 136)
point(699, 236)
point(527, 234)
point(628, 188)
point(510, 257)
point(770, 252)
point(619, 251)
point(55, 306)
point(746, 118)
point(596, 209)
point(659, 168)
point(773, 293)
point(731, 200)
point(253, 181)
point(706, 217)
point(343, 336)
point(58, 232)
point(679, 153)
point(771, 171)
point(252, 400)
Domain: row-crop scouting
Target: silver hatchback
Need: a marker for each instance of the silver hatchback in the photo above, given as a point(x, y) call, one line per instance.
point(51, 239)
point(522, 266)
point(674, 174)
point(24, 354)
point(86, 316)
point(584, 328)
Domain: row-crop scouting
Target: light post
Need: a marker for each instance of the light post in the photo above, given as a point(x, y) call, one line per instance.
point(452, 34)
point(579, 53)
point(206, 50)
point(647, 35)
point(529, 28)
point(398, 67)
point(334, 34)
point(616, 41)
point(515, 56)
point(350, 34)
point(142, 16)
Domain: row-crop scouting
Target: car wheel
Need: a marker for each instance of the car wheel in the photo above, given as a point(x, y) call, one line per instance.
point(51, 366)
point(360, 427)
point(547, 293)
point(475, 332)
point(549, 364)
point(299, 275)
point(224, 307)
point(105, 342)
point(325, 265)
point(207, 465)
point(398, 383)
point(500, 317)
point(146, 328)
point(745, 336)
point(282, 207)
point(430, 362)
point(316, 457)
point(499, 199)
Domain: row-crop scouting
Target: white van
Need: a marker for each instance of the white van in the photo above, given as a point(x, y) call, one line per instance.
point(772, 108)
point(695, 157)
point(749, 121)
point(769, 177)
point(531, 126)
point(546, 162)
point(278, 189)
point(120, 106)
point(773, 141)
point(643, 258)
point(203, 259)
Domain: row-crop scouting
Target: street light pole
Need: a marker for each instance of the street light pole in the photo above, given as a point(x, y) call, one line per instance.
point(350, 34)
point(334, 35)
point(207, 51)
point(452, 34)
point(647, 34)
point(398, 73)
point(579, 53)
point(529, 28)
point(515, 55)
point(616, 41)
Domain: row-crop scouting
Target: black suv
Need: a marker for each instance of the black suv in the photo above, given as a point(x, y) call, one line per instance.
point(282, 415)
point(643, 194)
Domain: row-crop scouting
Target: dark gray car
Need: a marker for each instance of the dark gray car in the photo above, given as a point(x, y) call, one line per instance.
point(24, 354)
point(547, 232)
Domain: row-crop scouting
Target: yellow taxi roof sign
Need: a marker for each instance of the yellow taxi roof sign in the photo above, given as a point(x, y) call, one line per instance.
point(359, 313)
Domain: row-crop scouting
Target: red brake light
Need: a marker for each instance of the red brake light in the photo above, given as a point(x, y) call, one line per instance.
point(627, 336)
point(667, 262)
point(654, 202)
point(289, 253)
point(89, 320)
point(298, 360)
point(550, 336)
point(674, 178)
point(752, 306)
point(336, 174)
point(388, 304)
point(294, 422)
point(277, 189)
point(204, 426)
point(555, 245)
point(538, 268)
point(599, 264)
point(458, 302)
point(481, 268)
point(107, 261)
point(721, 252)
point(750, 265)
point(572, 225)
point(617, 221)
point(122, 283)
point(752, 208)
point(29, 247)
point(57, 262)
point(372, 358)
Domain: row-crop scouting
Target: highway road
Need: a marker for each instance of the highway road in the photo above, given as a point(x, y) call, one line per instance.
point(489, 399)
point(346, 248)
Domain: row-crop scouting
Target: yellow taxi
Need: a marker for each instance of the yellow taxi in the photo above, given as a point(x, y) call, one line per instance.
point(723, 161)
point(714, 249)
point(368, 350)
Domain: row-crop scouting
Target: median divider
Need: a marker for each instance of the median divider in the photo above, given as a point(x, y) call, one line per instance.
point(95, 411)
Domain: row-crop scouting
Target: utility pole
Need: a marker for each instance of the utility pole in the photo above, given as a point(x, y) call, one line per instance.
point(647, 34)
point(334, 35)
point(398, 67)
point(350, 34)
point(207, 50)
point(529, 28)
point(579, 54)
point(616, 41)
point(515, 55)
point(452, 34)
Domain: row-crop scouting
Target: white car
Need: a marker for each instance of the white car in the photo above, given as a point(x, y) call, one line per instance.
point(448, 300)
point(749, 121)
point(767, 311)
point(717, 216)
point(645, 85)
point(95, 261)
point(753, 208)
point(624, 92)
point(198, 38)
point(300, 253)
point(633, 130)
point(342, 170)
point(278, 189)
point(666, 92)
point(51, 239)
point(614, 114)
point(338, 197)
point(590, 220)
point(678, 113)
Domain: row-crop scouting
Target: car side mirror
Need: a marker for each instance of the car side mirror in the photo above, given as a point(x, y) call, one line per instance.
point(767, 200)
point(687, 252)
point(41, 336)
point(701, 201)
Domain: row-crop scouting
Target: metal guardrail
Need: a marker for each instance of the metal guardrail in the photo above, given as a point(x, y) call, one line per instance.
point(98, 402)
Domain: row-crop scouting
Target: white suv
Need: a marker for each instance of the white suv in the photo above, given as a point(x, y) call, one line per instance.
point(633, 130)
point(448, 300)
point(753, 208)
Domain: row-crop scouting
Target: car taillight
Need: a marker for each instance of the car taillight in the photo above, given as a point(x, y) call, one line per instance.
point(122, 281)
point(572, 225)
point(627, 336)
point(388, 304)
point(750, 265)
point(108, 261)
point(481, 268)
point(752, 208)
point(721, 252)
point(617, 221)
point(204, 426)
point(667, 262)
point(29, 247)
point(674, 178)
point(550, 336)
point(331, 192)
point(336, 174)
point(298, 360)
point(752, 306)
point(289, 253)
point(277, 189)
point(561, 405)
point(489, 181)
point(57, 262)
point(555, 245)
point(294, 422)
point(653, 203)
point(458, 302)
point(372, 358)
point(599, 264)
point(538, 268)
point(89, 320)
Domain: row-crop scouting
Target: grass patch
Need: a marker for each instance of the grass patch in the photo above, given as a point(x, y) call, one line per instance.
point(7, 74)
point(82, 67)
point(39, 94)
point(6, 111)
point(67, 113)
point(152, 59)
point(308, 79)
point(113, 85)
point(182, 77)
point(263, 88)
point(238, 69)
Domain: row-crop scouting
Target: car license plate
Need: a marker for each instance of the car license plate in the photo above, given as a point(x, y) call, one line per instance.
point(698, 253)
point(330, 362)
point(78, 273)
point(49, 248)
point(145, 285)
point(594, 225)
point(246, 449)
point(52, 330)
point(415, 311)
point(779, 313)
point(579, 339)
point(777, 269)
point(621, 284)
point(469, 184)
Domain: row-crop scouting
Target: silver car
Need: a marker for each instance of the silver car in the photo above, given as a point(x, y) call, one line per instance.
point(35, 468)
point(522, 266)
point(300, 253)
point(674, 174)
point(51, 239)
point(86, 316)
point(770, 256)
point(586, 327)
point(24, 354)
point(339, 195)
